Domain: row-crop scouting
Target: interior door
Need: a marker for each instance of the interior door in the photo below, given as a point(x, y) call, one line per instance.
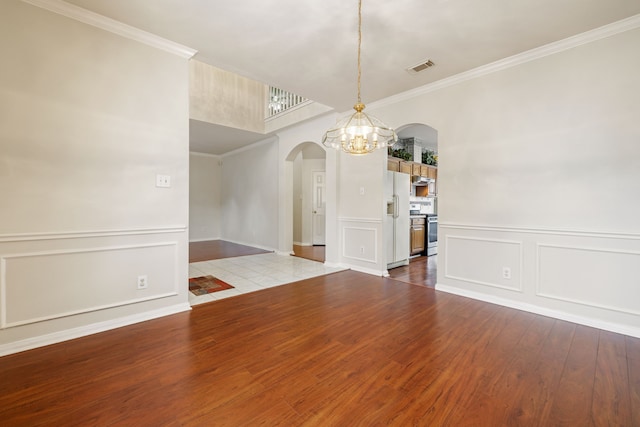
point(318, 208)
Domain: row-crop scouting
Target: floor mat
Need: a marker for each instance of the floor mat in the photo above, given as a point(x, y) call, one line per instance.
point(206, 285)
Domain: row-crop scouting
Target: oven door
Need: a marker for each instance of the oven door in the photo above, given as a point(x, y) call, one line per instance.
point(431, 235)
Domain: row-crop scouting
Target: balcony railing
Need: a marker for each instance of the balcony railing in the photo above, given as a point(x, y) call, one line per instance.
point(280, 101)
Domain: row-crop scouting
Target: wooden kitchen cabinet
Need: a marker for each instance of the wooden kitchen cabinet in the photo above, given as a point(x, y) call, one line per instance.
point(417, 235)
point(393, 164)
point(432, 172)
point(412, 168)
point(405, 167)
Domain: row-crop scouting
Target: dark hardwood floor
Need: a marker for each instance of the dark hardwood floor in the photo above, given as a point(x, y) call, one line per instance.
point(421, 270)
point(345, 349)
point(314, 253)
point(216, 249)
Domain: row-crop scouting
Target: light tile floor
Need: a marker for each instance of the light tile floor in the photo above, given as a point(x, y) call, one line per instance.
point(255, 272)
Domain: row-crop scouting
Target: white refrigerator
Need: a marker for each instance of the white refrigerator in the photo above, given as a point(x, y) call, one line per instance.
point(396, 226)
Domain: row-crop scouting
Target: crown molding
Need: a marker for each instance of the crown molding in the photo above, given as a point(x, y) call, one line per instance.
point(116, 27)
point(627, 24)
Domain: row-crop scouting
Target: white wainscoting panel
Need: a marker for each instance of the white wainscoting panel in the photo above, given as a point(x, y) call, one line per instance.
point(360, 243)
point(590, 276)
point(482, 261)
point(86, 280)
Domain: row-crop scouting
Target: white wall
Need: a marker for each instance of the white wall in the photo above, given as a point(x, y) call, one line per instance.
point(539, 172)
point(250, 196)
point(349, 213)
point(298, 195)
point(289, 141)
point(361, 207)
point(205, 186)
point(87, 120)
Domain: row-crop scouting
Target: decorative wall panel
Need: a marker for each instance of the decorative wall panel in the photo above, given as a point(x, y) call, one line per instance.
point(589, 276)
point(85, 280)
point(489, 262)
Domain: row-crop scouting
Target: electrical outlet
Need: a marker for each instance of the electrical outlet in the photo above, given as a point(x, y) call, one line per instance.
point(143, 283)
point(362, 191)
point(163, 181)
point(506, 273)
point(362, 250)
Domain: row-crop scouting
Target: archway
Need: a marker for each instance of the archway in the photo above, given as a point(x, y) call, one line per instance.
point(306, 167)
point(423, 201)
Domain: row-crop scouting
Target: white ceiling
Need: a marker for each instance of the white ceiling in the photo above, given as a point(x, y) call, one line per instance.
point(309, 46)
point(215, 139)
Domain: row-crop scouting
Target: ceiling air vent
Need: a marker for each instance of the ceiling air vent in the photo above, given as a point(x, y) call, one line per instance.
point(421, 67)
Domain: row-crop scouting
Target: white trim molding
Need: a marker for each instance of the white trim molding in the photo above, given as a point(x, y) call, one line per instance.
point(58, 235)
point(361, 220)
point(538, 230)
point(448, 275)
point(605, 31)
point(582, 276)
point(531, 308)
point(5, 323)
point(583, 301)
point(373, 231)
point(111, 25)
point(69, 334)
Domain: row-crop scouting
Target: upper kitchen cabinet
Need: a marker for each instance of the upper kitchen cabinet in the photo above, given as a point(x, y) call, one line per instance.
point(412, 168)
point(393, 164)
point(405, 167)
point(398, 165)
point(432, 172)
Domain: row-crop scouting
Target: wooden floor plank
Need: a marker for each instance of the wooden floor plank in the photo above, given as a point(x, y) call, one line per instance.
point(634, 391)
point(314, 253)
point(422, 270)
point(343, 349)
point(572, 401)
point(611, 405)
point(217, 249)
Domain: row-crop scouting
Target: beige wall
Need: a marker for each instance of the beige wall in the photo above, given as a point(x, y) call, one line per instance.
point(87, 121)
point(224, 98)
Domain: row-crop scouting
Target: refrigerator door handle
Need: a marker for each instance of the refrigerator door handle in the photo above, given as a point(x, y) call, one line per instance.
point(396, 207)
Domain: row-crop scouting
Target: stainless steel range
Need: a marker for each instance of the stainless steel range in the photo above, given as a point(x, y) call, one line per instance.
point(431, 235)
point(427, 209)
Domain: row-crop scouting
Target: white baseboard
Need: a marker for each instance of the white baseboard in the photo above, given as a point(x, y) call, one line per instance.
point(253, 245)
point(69, 334)
point(364, 270)
point(284, 253)
point(334, 265)
point(531, 308)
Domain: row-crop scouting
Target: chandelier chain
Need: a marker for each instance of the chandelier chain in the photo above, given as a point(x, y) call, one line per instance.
point(359, 133)
point(359, 46)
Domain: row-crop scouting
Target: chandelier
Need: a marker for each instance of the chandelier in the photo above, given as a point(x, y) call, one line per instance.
point(359, 133)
